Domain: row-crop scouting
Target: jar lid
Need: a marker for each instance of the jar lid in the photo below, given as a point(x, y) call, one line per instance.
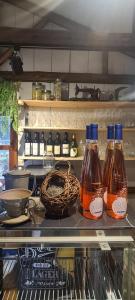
point(18, 173)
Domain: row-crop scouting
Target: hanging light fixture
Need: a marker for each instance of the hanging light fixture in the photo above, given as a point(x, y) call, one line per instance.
point(16, 61)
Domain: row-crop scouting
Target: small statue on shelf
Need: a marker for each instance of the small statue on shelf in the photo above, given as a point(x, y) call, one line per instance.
point(94, 93)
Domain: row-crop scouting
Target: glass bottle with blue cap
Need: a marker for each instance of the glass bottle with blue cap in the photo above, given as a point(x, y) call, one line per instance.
point(91, 204)
point(117, 188)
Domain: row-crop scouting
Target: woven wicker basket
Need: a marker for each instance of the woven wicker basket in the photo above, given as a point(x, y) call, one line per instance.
point(59, 205)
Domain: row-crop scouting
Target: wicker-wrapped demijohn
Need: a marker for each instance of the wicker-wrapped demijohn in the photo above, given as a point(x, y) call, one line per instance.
point(59, 192)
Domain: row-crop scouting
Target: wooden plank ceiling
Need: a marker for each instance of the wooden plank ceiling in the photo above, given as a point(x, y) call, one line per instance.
point(75, 36)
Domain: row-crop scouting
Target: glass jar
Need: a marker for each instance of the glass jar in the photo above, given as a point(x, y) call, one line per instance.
point(48, 94)
point(36, 91)
point(43, 89)
point(57, 89)
point(81, 148)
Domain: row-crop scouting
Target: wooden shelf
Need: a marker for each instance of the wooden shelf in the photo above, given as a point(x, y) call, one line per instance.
point(77, 104)
point(23, 157)
point(20, 129)
point(79, 158)
point(50, 128)
point(130, 158)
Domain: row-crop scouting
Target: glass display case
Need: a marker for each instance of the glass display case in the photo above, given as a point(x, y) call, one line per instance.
point(71, 258)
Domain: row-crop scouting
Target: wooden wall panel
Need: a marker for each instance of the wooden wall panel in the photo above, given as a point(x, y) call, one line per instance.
point(119, 63)
point(60, 60)
point(28, 59)
point(95, 62)
point(79, 61)
point(26, 90)
point(42, 60)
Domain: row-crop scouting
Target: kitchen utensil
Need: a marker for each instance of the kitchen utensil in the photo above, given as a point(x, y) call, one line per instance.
point(15, 201)
point(17, 179)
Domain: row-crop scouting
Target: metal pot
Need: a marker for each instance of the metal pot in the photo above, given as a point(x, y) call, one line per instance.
point(17, 179)
point(15, 201)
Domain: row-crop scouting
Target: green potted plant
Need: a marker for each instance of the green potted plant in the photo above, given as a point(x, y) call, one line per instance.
point(8, 103)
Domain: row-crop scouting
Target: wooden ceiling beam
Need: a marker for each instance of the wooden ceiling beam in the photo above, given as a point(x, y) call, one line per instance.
point(60, 39)
point(6, 54)
point(23, 5)
point(28, 6)
point(63, 22)
point(48, 17)
point(69, 77)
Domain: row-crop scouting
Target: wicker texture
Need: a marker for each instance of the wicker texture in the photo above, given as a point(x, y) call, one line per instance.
point(58, 205)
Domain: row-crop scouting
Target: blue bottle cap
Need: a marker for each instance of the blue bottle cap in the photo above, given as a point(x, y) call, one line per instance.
point(110, 132)
point(88, 132)
point(94, 131)
point(118, 132)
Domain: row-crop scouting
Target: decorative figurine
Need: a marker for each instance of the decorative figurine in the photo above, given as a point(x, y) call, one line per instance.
point(94, 93)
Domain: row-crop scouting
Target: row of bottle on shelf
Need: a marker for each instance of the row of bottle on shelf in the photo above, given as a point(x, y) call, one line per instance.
point(37, 144)
point(107, 188)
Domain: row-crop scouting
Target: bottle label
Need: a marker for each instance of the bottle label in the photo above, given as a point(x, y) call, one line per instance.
point(41, 149)
point(27, 148)
point(49, 149)
point(35, 149)
point(119, 206)
point(65, 148)
point(57, 150)
point(111, 145)
point(73, 152)
point(96, 207)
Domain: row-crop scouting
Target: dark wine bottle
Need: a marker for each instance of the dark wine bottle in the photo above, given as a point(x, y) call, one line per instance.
point(73, 146)
point(49, 144)
point(117, 186)
point(91, 179)
point(57, 145)
point(65, 145)
point(27, 145)
point(35, 144)
point(42, 144)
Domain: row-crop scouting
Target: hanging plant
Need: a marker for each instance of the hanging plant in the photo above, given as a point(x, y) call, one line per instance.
point(8, 102)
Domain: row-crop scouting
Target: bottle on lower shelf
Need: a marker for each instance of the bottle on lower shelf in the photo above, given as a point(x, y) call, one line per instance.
point(42, 144)
point(50, 144)
point(57, 145)
point(65, 148)
point(73, 147)
point(91, 178)
point(35, 144)
point(116, 202)
point(27, 144)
